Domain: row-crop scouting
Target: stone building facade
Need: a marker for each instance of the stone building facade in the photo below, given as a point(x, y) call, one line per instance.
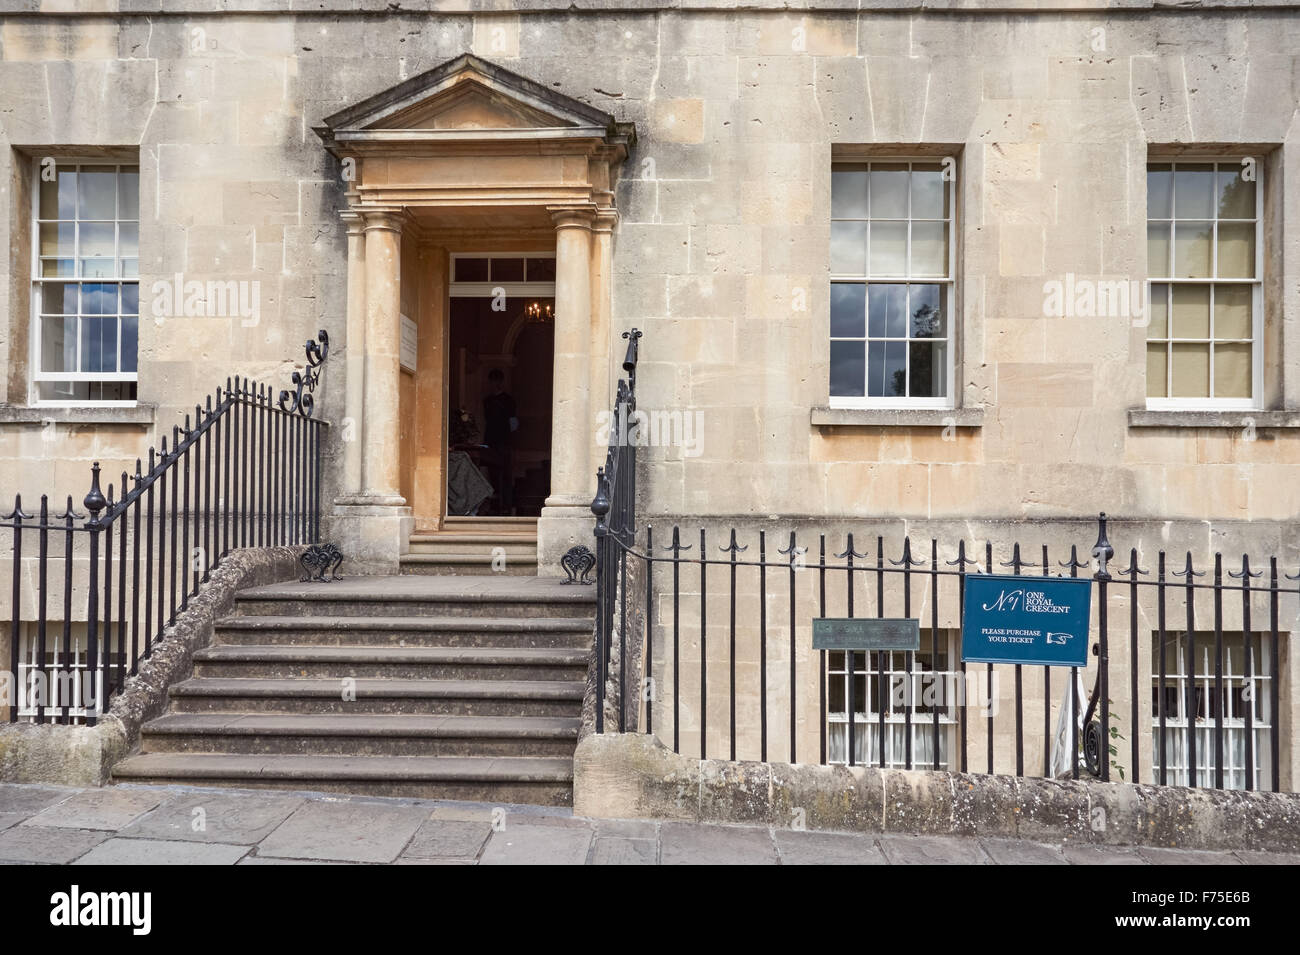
point(897, 269)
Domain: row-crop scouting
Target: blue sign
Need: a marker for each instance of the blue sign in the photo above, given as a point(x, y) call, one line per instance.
point(1034, 620)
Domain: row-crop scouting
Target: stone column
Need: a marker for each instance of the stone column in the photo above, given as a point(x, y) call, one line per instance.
point(606, 357)
point(354, 345)
point(566, 517)
point(382, 461)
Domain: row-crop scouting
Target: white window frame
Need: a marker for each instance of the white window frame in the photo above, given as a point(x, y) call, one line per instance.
point(867, 723)
point(37, 376)
point(510, 289)
point(1255, 402)
point(949, 282)
point(1176, 722)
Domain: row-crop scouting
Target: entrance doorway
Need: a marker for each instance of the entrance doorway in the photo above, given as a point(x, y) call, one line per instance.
point(502, 338)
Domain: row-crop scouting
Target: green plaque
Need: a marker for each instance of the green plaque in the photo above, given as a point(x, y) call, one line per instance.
point(866, 633)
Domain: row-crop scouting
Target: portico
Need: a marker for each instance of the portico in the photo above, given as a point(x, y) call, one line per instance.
point(467, 158)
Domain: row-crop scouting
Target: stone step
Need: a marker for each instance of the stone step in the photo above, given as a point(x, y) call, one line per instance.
point(488, 595)
point(572, 632)
point(521, 565)
point(498, 779)
point(405, 663)
point(489, 525)
point(440, 697)
point(457, 543)
point(413, 734)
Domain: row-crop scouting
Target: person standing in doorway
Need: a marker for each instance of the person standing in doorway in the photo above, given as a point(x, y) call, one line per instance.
point(500, 421)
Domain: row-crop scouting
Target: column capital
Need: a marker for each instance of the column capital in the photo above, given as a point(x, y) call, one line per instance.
point(386, 220)
point(606, 219)
point(355, 222)
point(572, 217)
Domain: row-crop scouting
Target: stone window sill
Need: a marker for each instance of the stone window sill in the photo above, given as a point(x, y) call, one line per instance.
point(142, 415)
point(1142, 418)
point(898, 417)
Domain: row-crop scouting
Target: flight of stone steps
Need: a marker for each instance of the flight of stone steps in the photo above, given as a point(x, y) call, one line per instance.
point(445, 687)
point(475, 545)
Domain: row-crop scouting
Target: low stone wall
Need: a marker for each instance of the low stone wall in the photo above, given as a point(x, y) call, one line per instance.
point(85, 755)
point(634, 775)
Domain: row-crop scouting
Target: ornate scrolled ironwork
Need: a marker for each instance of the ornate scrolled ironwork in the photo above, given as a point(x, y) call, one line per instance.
point(321, 563)
point(1092, 745)
point(305, 381)
point(578, 562)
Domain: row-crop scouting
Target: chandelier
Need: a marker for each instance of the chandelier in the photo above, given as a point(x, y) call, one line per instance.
point(538, 314)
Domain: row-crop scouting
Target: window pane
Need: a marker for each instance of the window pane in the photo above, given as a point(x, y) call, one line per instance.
point(507, 270)
point(128, 193)
point(128, 240)
point(58, 268)
point(929, 369)
point(86, 390)
point(130, 299)
point(1157, 371)
point(1159, 195)
point(1192, 249)
point(1232, 311)
point(887, 370)
point(927, 315)
point(929, 192)
point(99, 344)
point(1232, 371)
point(887, 306)
point(59, 298)
point(98, 299)
point(59, 344)
point(889, 191)
point(848, 248)
point(97, 239)
point(1237, 250)
point(1158, 248)
point(1159, 305)
point(1236, 195)
point(1191, 311)
point(1194, 191)
point(59, 198)
point(97, 192)
point(471, 270)
point(888, 248)
point(130, 268)
point(849, 192)
point(846, 369)
point(57, 238)
point(848, 310)
point(1191, 371)
point(929, 249)
point(541, 270)
point(130, 337)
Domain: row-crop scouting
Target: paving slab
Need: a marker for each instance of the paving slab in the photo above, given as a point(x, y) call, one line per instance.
point(932, 850)
point(215, 817)
point(1019, 852)
point(160, 852)
point(8, 819)
point(620, 850)
point(28, 800)
point(345, 832)
point(693, 844)
point(47, 844)
point(626, 828)
point(526, 844)
point(271, 860)
point(447, 839)
point(111, 808)
point(827, 848)
point(1186, 857)
point(1102, 855)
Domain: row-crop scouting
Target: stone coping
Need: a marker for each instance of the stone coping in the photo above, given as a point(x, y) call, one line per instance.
point(634, 775)
point(85, 755)
point(1143, 418)
point(898, 417)
point(141, 415)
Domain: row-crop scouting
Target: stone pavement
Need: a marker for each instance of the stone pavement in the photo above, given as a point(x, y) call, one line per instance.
point(175, 825)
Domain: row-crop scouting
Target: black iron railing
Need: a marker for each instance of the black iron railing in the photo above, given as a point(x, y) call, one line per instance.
point(615, 510)
point(245, 471)
point(1206, 644)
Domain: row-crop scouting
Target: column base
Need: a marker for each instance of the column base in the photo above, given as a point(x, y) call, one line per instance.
point(558, 529)
point(372, 536)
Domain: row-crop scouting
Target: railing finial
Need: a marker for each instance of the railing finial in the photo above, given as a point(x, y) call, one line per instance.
point(95, 500)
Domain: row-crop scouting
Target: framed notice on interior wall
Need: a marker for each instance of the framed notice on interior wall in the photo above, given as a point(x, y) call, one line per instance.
point(409, 338)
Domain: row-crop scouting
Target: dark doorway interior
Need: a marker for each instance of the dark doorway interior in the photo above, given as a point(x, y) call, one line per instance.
point(499, 393)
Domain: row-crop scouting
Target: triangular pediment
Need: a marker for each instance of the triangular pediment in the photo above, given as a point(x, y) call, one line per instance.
point(469, 96)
